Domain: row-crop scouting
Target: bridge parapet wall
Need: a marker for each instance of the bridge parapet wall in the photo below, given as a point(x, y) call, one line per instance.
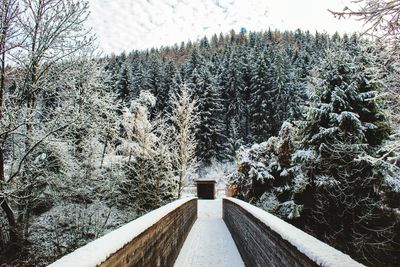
point(265, 240)
point(154, 239)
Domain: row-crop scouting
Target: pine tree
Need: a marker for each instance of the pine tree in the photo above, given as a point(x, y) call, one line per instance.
point(123, 84)
point(167, 85)
point(140, 80)
point(246, 92)
point(154, 79)
point(343, 127)
point(204, 43)
point(192, 64)
point(282, 89)
point(230, 76)
point(262, 106)
point(210, 130)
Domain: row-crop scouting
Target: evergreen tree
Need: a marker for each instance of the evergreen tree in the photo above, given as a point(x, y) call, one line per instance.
point(204, 43)
point(193, 62)
point(210, 130)
point(232, 83)
point(247, 59)
point(140, 81)
point(343, 127)
point(123, 84)
point(154, 79)
point(281, 88)
point(262, 106)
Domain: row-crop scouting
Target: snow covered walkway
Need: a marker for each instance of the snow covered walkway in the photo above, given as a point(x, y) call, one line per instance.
point(209, 243)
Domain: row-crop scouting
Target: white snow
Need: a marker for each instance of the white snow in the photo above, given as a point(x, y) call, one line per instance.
point(303, 155)
point(100, 249)
point(321, 253)
point(209, 243)
point(393, 181)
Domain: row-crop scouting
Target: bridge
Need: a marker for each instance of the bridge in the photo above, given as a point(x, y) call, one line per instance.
point(192, 232)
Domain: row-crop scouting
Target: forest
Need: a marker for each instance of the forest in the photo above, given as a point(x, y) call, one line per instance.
point(89, 142)
point(310, 120)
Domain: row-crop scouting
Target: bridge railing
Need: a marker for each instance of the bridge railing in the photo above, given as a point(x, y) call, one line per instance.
point(154, 239)
point(265, 240)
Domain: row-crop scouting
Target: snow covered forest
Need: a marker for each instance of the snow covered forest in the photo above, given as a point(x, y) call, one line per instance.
point(311, 120)
point(89, 142)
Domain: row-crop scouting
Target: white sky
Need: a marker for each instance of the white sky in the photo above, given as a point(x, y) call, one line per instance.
point(139, 24)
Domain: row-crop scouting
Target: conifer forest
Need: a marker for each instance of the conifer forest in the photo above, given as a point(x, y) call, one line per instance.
point(307, 121)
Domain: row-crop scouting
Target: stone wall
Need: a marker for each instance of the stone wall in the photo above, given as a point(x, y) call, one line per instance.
point(259, 245)
point(154, 239)
point(160, 244)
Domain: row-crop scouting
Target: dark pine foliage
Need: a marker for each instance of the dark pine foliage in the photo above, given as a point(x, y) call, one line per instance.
point(247, 83)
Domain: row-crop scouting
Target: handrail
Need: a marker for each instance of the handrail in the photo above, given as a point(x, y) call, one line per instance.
point(128, 245)
point(265, 240)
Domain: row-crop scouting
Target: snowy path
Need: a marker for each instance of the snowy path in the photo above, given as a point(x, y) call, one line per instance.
point(209, 243)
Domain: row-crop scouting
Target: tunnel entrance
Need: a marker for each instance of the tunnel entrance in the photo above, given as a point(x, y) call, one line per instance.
point(205, 189)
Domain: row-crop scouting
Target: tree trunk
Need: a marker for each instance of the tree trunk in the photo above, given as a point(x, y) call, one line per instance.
point(104, 152)
point(12, 223)
point(13, 227)
point(180, 183)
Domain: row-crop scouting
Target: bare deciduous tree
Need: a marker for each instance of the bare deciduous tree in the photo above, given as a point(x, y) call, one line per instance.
point(43, 35)
point(9, 10)
point(380, 17)
point(184, 118)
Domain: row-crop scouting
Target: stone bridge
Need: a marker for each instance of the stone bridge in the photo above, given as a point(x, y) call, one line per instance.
point(192, 232)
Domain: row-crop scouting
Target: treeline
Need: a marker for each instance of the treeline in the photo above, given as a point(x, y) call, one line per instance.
point(247, 84)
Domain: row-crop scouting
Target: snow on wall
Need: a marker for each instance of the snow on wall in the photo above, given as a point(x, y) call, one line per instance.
point(100, 249)
point(318, 251)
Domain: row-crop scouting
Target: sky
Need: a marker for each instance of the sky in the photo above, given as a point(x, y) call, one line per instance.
point(125, 25)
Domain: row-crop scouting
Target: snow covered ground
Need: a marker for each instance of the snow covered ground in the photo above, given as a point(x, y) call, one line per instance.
point(209, 243)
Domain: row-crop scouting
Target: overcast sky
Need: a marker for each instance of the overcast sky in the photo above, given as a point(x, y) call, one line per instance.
point(139, 24)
